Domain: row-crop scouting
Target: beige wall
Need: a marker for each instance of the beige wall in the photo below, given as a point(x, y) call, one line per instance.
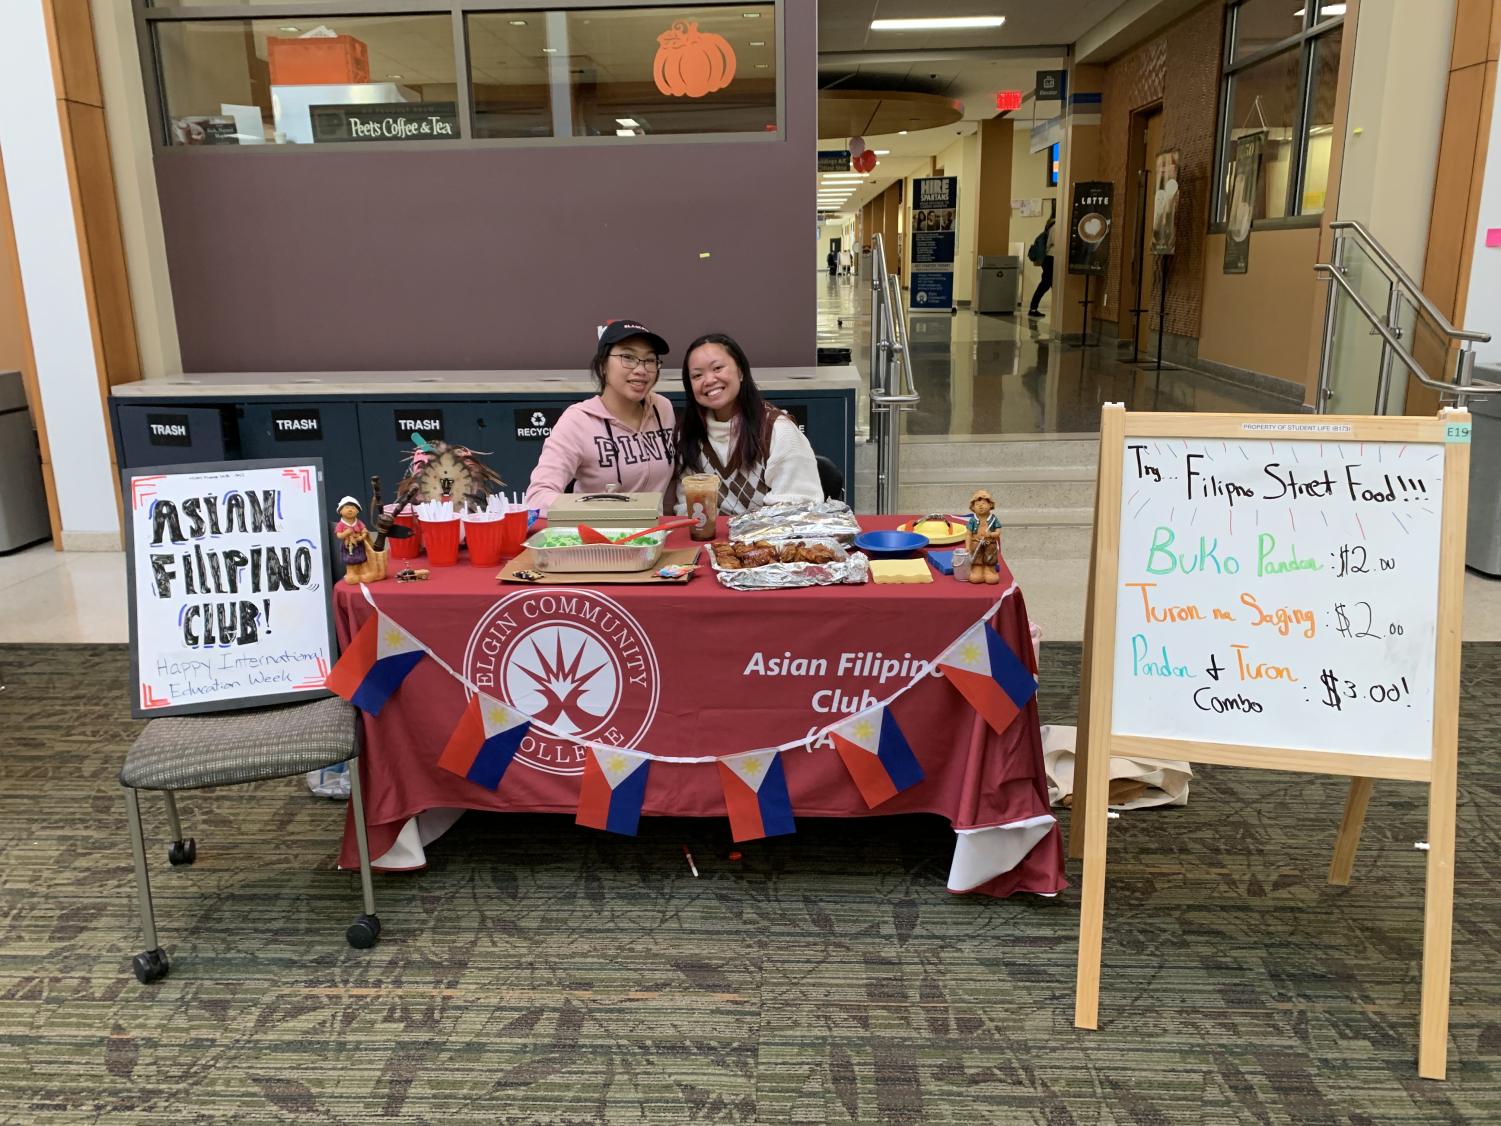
point(1397, 93)
point(1262, 320)
point(135, 188)
point(1028, 177)
point(962, 159)
point(12, 303)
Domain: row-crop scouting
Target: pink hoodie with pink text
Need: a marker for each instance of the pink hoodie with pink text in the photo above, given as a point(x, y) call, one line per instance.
point(592, 448)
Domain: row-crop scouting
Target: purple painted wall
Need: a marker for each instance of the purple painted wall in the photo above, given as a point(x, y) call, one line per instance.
point(495, 258)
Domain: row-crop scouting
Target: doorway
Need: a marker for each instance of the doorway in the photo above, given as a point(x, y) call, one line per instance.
point(1139, 280)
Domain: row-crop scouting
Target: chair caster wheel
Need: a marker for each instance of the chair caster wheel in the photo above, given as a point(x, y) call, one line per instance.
point(182, 852)
point(364, 932)
point(150, 965)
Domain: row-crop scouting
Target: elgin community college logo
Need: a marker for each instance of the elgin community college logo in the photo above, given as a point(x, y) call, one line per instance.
point(575, 661)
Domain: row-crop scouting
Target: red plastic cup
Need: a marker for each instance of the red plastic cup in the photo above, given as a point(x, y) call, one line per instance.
point(485, 538)
point(411, 547)
point(440, 540)
point(513, 532)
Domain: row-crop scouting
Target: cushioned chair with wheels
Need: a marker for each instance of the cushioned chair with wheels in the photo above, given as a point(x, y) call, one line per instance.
point(829, 477)
point(229, 749)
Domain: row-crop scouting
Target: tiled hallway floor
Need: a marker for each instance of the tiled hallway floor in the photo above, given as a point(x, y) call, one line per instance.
point(985, 375)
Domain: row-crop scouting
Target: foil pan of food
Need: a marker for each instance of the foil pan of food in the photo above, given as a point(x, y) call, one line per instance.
point(797, 520)
point(763, 565)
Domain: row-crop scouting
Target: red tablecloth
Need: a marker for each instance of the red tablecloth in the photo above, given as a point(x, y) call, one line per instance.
point(698, 670)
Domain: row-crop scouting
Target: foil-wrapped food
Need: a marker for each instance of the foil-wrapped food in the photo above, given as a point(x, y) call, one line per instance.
point(763, 565)
point(797, 520)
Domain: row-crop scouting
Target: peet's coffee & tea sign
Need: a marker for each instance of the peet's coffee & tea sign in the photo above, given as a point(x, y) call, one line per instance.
point(386, 121)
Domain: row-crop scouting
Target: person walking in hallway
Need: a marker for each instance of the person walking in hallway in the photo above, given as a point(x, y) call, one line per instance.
point(1041, 252)
point(833, 262)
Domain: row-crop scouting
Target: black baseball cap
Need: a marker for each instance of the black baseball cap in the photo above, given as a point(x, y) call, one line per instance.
point(616, 331)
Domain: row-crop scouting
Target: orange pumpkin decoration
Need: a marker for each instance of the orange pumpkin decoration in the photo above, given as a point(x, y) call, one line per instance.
point(692, 63)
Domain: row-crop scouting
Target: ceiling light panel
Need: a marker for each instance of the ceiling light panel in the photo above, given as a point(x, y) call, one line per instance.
point(939, 23)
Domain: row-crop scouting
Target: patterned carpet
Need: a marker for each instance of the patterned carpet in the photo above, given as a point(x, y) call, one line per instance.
point(539, 973)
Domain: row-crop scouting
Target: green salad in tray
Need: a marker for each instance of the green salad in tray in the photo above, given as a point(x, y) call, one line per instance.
point(572, 539)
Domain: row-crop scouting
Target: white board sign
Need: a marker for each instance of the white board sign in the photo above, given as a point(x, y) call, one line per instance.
point(1279, 593)
point(228, 581)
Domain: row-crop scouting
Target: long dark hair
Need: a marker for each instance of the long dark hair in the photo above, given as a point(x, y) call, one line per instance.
point(750, 444)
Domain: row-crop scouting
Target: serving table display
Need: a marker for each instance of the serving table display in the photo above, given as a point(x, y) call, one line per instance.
point(513, 698)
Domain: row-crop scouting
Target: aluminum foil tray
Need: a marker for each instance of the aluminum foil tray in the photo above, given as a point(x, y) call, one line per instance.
point(596, 556)
point(797, 520)
point(849, 567)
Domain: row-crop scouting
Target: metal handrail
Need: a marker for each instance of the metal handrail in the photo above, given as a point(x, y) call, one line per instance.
point(1399, 288)
point(1418, 297)
point(1461, 389)
point(888, 348)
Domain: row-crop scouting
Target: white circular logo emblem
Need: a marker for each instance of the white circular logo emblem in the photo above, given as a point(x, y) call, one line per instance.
point(538, 418)
point(573, 660)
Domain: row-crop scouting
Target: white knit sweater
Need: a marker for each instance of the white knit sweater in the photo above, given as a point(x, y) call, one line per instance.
point(791, 473)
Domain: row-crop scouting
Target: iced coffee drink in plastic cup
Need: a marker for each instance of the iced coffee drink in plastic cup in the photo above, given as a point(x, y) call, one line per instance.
point(701, 498)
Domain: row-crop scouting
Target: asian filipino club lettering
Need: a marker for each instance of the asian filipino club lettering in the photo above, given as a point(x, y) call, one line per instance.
point(193, 568)
point(579, 663)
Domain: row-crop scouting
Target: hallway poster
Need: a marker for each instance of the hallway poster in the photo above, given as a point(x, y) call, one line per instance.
point(1089, 236)
point(935, 209)
point(1241, 201)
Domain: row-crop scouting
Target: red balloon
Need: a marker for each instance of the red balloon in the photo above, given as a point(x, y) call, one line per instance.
point(865, 162)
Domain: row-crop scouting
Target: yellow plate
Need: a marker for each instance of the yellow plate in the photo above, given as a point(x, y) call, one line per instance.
point(936, 540)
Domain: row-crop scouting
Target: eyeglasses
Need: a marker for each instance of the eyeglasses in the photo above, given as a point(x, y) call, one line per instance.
point(634, 362)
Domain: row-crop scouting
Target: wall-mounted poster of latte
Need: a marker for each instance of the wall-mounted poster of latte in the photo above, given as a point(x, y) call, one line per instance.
point(1241, 201)
point(1165, 203)
point(1089, 236)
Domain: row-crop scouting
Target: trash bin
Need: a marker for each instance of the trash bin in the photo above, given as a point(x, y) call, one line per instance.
point(23, 497)
point(997, 283)
point(1483, 538)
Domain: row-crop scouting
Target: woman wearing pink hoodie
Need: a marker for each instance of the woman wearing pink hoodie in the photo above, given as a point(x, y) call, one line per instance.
point(623, 436)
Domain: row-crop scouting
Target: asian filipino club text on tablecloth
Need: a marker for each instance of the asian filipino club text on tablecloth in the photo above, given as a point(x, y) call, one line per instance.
point(1279, 593)
point(580, 662)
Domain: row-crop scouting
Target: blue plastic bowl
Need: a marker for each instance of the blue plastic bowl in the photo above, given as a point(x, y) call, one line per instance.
point(890, 543)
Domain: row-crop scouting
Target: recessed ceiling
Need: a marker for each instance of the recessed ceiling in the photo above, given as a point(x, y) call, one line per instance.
point(844, 25)
point(853, 113)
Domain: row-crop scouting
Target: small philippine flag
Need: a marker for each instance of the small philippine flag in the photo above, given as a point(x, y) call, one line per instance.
point(755, 793)
point(613, 789)
point(485, 741)
point(375, 664)
point(877, 755)
point(989, 675)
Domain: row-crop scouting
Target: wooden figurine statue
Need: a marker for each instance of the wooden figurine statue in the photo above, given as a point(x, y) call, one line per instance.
point(982, 539)
point(362, 563)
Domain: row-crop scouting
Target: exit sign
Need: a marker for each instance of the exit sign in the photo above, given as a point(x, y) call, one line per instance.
point(1008, 100)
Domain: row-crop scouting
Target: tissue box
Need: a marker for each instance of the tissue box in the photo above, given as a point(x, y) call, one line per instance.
point(606, 510)
point(325, 61)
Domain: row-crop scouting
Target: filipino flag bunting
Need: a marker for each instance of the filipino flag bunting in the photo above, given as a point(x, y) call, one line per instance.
point(877, 755)
point(755, 793)
point(485, 741)
point(989, 675)
point(375, 664)
point(613, 789)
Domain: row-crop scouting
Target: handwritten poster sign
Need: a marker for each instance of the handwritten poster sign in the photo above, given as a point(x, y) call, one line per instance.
point(228, 582)
point(1279, 593)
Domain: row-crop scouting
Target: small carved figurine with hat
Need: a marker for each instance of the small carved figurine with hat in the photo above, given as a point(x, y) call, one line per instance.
point(982, 539)
point(362, 563)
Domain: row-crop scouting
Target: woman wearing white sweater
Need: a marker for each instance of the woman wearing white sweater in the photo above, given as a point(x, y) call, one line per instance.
point(758, 451)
